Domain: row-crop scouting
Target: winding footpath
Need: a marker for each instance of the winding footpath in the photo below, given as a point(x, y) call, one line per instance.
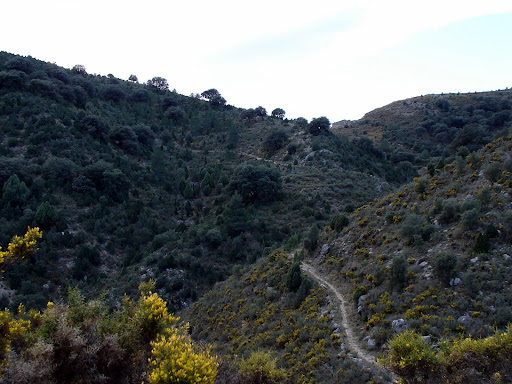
point(353, 343)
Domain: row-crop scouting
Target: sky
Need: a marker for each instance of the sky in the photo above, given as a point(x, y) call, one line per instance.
point(339, 59)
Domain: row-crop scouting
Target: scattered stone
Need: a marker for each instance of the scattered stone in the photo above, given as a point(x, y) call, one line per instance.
point(427, 339)
point(455, 282)
point(399, 325)
point(506, 257)
point(474, 259)
point(464, 320)
point(325, 249)
point(361, 300)
point(424, 264)
point(371, 344)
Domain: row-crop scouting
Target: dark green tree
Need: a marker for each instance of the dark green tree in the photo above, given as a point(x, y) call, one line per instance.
point(112, 93)
point(79, 69)
point(319, 125)
point(96, 126)
point(217, 101)
point(275, 140)
point(15, 193)
point(210, 94)
point(235, 218)
point(294, 277)
point(45, 216)
point(176, 114)
point(256, 183)
point(339, 222)
point(249, 115)
point(133, 78)
point(158, 83)
point(399, 272)
point(482, 244)
point(303, 292)
point(444, 266)
point(278, 113)
point(311, 240)
point(261, 112)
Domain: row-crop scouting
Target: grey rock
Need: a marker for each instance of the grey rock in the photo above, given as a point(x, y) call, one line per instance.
point(361, 300)
point(399, 325)
point(464, 320)
point(371, 344)
point(455, 282)
point(325, 249)
point(427, 339)
point(474, 259)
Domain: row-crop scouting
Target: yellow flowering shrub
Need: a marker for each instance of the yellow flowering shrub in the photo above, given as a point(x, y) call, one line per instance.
point(173, 360)
point(19, 247)
point(458, 361)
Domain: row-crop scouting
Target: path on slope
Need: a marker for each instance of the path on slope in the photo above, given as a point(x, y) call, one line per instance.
point(353, 343)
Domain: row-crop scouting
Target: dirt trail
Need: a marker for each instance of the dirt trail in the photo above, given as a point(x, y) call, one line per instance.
point(352, 341)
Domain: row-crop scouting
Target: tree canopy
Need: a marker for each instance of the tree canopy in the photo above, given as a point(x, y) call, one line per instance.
point(158, 83)
point(319, 125)
point(256, 183)
point(279, 113)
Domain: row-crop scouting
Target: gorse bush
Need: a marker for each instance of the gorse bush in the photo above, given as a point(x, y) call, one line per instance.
point(173, 360)
point(465, 360)
point(260, 368)
point(82, 341)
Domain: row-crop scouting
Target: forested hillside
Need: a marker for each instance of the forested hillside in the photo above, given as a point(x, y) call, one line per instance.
point(188, 205)
point(426, 128)
point(132, 181)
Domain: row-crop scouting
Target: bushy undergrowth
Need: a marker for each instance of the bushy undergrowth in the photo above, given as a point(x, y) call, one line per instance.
point(435, 253)
point(463, 360)
point(254, 311)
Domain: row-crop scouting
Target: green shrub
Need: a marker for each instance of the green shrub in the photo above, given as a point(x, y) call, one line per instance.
point(339, 222)
point(399, 272)
point(481, 244)
point(493, 172)
point(294, 277)
point(444, 266)
point(260, 368)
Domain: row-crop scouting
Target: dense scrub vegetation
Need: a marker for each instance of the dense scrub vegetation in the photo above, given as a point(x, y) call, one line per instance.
point(131, 181)
point(465, 360)
point(261, 308)
point(428, 128)
point(85, 342)
point(433, 257)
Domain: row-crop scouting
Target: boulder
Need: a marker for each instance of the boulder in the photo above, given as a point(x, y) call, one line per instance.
point(325, 249)
point(455, 282)
point(399, 325)
point(371, 344)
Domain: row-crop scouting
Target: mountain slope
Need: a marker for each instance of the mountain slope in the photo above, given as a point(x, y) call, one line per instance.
point(132, 181)
point(434, 255)
point(420, 128)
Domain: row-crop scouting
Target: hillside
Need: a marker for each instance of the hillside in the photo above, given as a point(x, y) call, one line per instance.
point(434, 255)
point(131, 181)
point(425, 128)
point(206, 210)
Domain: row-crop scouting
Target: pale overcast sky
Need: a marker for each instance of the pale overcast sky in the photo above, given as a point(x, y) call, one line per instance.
point(338, 59)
